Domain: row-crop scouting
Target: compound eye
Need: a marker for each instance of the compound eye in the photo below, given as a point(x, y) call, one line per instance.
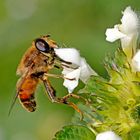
point(42, 45)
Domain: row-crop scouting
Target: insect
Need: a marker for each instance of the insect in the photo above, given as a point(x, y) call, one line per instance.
point(34, 68)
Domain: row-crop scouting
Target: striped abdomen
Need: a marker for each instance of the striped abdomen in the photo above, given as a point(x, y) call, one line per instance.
point(26, 92)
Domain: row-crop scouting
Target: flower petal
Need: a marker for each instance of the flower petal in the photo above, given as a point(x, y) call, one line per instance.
point(136, 61)
point(113, 34)
point(66, 70)
point(130, 27)
point(108, 135)
point(71, 80)
point(68, 54)
point(130, 22)
point(86, 71)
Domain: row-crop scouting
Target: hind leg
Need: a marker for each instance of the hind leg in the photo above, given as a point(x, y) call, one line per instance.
point(52, 95)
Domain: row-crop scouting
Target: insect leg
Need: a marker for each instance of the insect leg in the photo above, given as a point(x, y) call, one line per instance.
point(62, 63)
point(74, 106)
point(56, 76)
point(51, 92)
point(58, 67)
point(52, 75)
point(65, 98)
point(74, 96)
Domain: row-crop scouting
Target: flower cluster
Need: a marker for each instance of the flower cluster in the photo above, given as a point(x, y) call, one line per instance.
point(127, 32)
point(123, 92)
point(117, 99)
point(114, 109)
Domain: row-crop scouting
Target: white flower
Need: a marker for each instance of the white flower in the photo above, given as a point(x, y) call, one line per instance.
point(136, 61)
point(108, 135)
point(72, 75)
point(127, 31)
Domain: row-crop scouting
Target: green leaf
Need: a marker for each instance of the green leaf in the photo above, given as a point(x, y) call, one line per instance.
point(134, 133)
point(74, 132)
point(135, 136)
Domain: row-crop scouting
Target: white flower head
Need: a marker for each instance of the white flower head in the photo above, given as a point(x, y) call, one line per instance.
point(72, 75)
point(108, 135)
point(136, 61)
point(127, 31)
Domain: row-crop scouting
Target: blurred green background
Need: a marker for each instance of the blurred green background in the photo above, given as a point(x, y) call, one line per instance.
point(74, 23)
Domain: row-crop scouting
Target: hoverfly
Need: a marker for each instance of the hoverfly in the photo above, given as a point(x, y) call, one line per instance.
point(33, 69)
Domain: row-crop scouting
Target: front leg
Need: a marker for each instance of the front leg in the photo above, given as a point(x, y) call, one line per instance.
point(46, 75)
